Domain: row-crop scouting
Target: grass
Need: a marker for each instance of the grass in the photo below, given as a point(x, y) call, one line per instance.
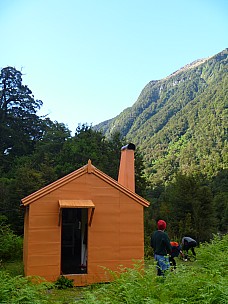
point(64, 296)
point(203, 281)
point(13, 268)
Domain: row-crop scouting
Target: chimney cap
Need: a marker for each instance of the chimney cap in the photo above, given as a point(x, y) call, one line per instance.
point(129, 146)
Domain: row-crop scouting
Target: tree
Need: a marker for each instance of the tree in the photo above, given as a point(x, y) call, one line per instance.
point(104, 154)
point(191, 207)
point(219, 188)
point(49, 148)
point(141, 181)
point(86, 144)
point(20, 127)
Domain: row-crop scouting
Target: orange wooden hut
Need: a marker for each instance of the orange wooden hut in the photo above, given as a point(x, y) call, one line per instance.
point(85, 223)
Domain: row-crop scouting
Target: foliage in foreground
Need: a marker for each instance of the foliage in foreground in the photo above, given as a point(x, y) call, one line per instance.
point(204, 281)
point(18, 290)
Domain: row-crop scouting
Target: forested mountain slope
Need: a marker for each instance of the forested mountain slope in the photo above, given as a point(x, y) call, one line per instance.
point(180, 122)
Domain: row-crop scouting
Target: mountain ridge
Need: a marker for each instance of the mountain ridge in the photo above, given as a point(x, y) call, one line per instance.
point(188, 66)
point(171, 112)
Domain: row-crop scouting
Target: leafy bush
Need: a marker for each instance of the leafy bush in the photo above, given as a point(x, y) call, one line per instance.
point(19, 290)
point(64, 283)
point(10, 244)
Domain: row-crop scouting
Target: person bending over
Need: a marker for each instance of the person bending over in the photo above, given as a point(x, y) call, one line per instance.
point(188, 243)
point(176, 250)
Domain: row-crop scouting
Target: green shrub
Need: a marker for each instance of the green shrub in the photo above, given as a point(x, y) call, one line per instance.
point(64, 283)
point(19, 290)
point(10, 244)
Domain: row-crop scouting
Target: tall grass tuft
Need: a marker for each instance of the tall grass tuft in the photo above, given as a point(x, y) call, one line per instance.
point(202, 281)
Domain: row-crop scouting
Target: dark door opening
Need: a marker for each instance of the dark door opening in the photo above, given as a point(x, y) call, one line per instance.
point(74, 240)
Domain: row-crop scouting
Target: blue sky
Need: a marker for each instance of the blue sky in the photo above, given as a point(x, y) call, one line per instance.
point(88, 60)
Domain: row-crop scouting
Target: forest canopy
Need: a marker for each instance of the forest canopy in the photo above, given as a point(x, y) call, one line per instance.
point(35, 151)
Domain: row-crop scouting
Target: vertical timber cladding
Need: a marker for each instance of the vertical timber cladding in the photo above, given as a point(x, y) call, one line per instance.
point(43, 248)
point(104, 232)
point(115, 231)
point(75, 219)
point(131, 230)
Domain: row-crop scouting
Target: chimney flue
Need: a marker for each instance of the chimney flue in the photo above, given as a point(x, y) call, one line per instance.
point(129, 147)
point(127, 167)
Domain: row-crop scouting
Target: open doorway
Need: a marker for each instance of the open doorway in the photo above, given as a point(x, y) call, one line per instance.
point(74, 240)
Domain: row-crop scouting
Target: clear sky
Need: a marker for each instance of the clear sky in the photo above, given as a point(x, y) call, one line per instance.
point(88, 60)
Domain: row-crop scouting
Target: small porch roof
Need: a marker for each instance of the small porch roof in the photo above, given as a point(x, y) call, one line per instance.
point(76, 204)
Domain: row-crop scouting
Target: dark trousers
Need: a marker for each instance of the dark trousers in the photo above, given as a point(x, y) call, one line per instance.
point(172, 262)
point(191, 246)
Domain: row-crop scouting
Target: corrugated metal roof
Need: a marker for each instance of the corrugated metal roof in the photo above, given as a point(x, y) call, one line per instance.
point(76, 204)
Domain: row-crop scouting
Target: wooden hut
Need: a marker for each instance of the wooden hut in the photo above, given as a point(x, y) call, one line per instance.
point(85, 223)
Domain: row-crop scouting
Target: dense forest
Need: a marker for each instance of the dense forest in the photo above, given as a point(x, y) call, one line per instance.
point(35, 151)
point(180, 122)
point(178, 125)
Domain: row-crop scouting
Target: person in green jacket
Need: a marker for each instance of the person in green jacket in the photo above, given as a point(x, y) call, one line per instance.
point(160, 242)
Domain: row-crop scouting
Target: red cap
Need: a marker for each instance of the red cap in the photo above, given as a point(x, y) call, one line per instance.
point(161, 225)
